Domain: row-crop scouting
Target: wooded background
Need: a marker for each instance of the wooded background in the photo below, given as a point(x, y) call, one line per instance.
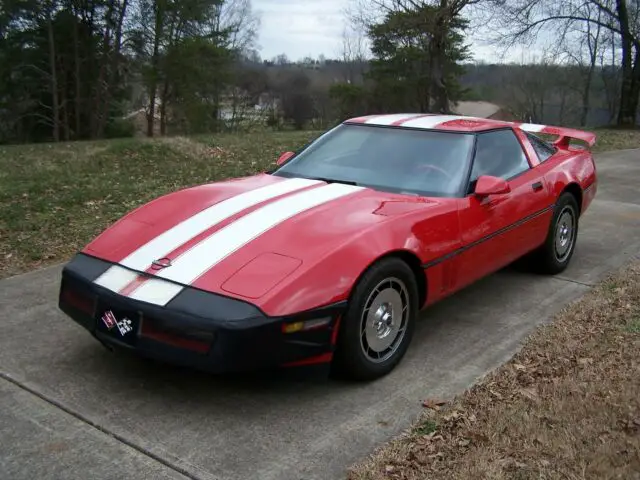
point(88, 69)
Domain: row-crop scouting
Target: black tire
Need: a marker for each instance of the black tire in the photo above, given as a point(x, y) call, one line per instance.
point(550, 258)
point(351, 359)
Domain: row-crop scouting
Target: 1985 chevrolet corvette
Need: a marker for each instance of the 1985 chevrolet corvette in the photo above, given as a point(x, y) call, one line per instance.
point(328, 258)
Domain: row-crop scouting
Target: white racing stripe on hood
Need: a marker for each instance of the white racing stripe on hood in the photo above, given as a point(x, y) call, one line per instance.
point(202, 257)
point(184, 231)
point(115, 278)
point(187, 229)
point(157, 291)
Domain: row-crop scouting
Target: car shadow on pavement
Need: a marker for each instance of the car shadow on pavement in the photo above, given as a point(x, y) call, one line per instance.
point(128, 371)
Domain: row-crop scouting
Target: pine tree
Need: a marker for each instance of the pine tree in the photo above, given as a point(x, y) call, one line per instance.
point(418, 57)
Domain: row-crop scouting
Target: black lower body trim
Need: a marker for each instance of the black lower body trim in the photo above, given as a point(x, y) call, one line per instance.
point(219, 343)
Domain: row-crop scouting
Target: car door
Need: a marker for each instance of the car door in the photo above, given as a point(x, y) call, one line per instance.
point(497, 229)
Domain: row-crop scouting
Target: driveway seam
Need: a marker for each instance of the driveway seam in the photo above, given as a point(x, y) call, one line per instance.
point(79, 416)
point(577, 282)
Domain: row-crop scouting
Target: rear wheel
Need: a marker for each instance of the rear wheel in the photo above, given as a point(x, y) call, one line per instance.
point(555, 254)
point(378, 325)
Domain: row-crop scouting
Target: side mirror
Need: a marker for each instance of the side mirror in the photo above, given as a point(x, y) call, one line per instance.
point(284, 157)
point(487, 185)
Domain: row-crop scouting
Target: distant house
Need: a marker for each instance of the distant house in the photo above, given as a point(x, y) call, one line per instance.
point(483, 110)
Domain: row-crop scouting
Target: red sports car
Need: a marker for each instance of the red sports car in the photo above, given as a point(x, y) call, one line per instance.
point(329, 257)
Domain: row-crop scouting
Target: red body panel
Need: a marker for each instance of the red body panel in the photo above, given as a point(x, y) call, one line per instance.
point(338, 241)
point(315, 257)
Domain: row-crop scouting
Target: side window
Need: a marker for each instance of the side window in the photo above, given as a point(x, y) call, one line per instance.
point(542, 148)
point(498, 154)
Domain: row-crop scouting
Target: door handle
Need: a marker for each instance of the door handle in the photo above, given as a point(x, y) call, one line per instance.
point(536, 186)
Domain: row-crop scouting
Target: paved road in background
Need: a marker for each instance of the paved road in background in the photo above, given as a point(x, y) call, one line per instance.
point(70, 409)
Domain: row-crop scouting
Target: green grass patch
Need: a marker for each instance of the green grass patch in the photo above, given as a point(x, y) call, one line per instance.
point(54, 198)
point(425, 428)
point(633, 326)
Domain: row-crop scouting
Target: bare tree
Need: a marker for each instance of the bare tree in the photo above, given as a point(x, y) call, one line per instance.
point(582, 49)
point(239, 22)
point(529, 20)
point(529, 88)
point(593, 44)
point(610, 75)
point(353, 54)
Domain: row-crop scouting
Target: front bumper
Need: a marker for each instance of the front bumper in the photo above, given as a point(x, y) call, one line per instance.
point(197, 329)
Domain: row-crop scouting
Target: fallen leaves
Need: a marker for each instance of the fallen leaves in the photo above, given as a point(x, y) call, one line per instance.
point(530, 393)
point(566, 406)
point(433, 404)
point(495, 394)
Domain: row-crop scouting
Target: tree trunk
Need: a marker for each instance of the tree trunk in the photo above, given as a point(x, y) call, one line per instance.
point(104, 79)
point(628, 98)
point(163, 118)
point(635, 88)
point(153, 84)
point(65, 123)
point(163, 108)
point(118, 37)
point(593, 44)
point(112, 59)
point(563, 103)
point(55, 104)
point(586, 97)
point(77, 104)
point(439, 90)
point(629, 89)
point(97, 114)
point(609, 75)
point(151, 113)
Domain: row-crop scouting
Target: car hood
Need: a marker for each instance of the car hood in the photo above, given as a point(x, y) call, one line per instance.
point(242, 238)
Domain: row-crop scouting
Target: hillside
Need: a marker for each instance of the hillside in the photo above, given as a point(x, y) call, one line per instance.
point(55, 197)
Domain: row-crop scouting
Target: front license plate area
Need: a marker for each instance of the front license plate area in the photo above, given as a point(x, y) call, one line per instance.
point(120, 324)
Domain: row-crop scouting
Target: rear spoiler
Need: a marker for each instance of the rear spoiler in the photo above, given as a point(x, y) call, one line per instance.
point(564, 134)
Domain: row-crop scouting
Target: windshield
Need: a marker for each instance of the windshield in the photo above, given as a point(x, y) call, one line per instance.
point(401, 160)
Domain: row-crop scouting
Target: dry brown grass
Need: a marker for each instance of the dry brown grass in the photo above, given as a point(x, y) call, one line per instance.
point(611, 139)
point(567, 406)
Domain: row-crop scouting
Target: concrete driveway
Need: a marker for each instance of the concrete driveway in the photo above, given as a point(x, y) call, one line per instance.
point(70, 409)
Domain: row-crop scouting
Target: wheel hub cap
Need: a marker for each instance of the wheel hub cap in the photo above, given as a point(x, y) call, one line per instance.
point(564, 234)
point(384, 320)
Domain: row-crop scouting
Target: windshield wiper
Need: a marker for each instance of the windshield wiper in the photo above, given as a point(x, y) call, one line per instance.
point(332, 180)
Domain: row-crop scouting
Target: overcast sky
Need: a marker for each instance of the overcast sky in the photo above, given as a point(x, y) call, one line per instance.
point(301, 28)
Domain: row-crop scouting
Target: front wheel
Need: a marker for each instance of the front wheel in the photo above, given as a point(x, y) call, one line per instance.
point(555, 254)
point(379, 322)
